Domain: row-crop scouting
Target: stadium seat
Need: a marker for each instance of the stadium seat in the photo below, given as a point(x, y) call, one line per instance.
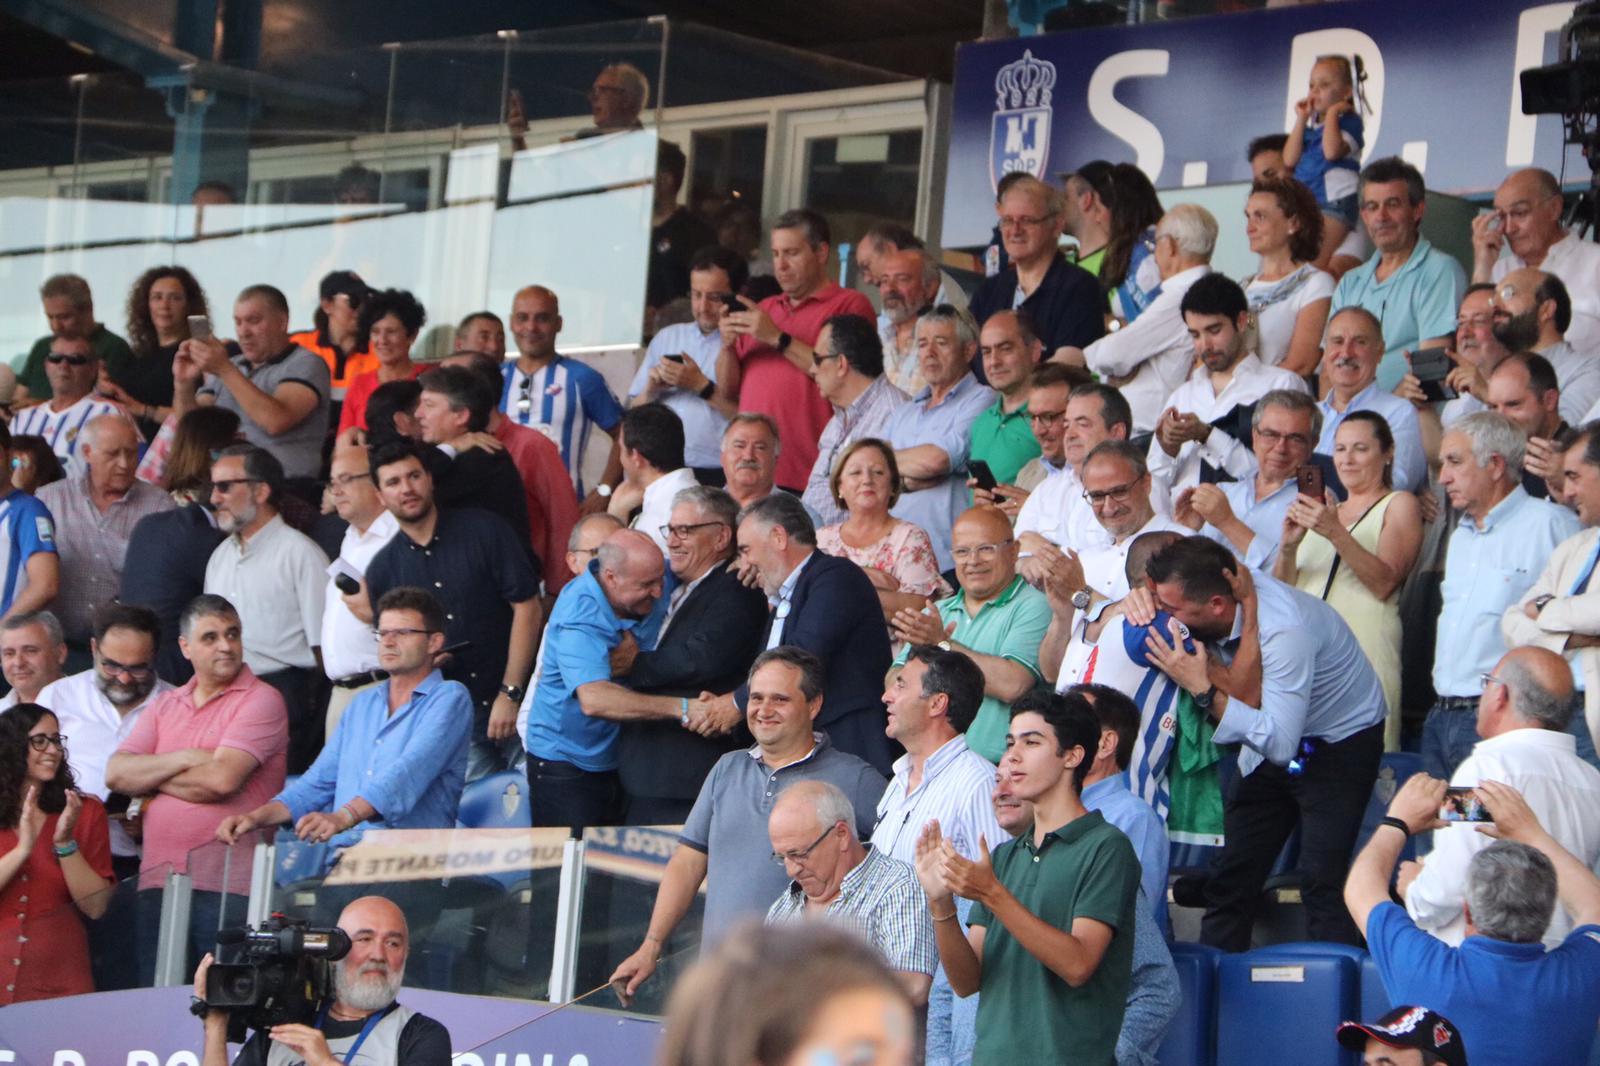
point(499, 801)
point(1392, 773)
point(1373, 997)
point(1190, 1040)
point(1280, 1005)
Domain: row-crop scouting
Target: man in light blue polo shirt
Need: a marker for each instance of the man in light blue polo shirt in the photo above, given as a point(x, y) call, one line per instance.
point(1410, 286)
point(1351, 364)
point(1496, 551)
point(931, 435)
point(609, 612)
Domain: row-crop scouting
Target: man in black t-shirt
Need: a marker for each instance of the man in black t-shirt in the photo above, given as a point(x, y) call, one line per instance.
point(364, 1013)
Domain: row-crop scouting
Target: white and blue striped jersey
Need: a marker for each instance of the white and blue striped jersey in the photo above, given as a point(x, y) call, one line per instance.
point(1155, 694)
point(26, 529)
point(564, 401)
point(62, 429)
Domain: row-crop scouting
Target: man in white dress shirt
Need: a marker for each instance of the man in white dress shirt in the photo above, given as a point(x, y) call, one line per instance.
point(1204, 418)
point(1149, 357)
point(1533, 313)
point(1116, 486)
point(1524, 230)
point(652, 470)
point(349, 650)
point(1522, 718)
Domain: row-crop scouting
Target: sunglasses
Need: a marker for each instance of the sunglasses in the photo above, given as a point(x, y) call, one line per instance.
point(72, 359)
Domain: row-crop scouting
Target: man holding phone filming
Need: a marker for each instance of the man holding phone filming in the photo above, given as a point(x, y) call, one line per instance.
point(1513, 1000)
point(1522, 717)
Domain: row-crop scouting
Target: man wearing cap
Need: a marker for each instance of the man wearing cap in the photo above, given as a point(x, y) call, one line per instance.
point(1421, 1037)
point(337, 338)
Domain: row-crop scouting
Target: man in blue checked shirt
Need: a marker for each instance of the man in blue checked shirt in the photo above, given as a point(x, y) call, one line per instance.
point(398, 759)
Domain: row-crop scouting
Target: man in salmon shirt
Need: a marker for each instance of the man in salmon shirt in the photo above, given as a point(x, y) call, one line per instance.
point(767, 349)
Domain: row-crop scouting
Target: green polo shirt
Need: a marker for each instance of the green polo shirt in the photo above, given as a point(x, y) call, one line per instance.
point(1004, 441)
point(113, 351)
point(1026, 1014)
point(1010, 626)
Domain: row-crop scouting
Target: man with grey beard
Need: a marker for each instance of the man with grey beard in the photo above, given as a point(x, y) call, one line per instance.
point(364, 1013)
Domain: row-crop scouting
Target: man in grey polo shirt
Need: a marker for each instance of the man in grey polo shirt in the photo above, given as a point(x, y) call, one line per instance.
point(277, 388)
point(726, 834)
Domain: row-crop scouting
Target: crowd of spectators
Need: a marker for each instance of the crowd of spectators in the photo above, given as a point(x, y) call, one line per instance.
point(956, 625)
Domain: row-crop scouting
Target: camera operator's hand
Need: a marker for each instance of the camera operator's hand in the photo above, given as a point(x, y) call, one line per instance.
point(306, 1042)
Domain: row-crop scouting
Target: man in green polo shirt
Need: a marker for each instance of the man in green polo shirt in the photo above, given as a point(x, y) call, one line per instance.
point(997, 619)
point(1049, 941)
point(69, 308)
point(1002, 435)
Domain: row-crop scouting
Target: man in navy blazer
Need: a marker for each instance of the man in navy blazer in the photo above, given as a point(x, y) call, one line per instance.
point(827, 606)
point(711, 635)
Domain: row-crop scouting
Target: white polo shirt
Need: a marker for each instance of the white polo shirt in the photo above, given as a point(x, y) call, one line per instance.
point(95, 730)
point(276, 581)
point(348, 646)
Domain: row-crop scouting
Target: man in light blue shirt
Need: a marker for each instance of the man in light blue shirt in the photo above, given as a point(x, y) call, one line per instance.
point(1350, 359)
point(1309, 753)
point(1496, 551)
point(575, 709)
point(398, 759)
point(1106, 790)
point(931, 434)
point(1409, 286)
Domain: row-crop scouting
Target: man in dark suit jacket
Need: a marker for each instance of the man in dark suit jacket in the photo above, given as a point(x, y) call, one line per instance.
point(827, 606)
point(172, 549)
point(711, 635)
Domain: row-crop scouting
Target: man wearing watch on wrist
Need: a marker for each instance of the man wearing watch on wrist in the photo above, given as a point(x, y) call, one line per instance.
point(398, 758)
point(1311, 742)
point(997, 620)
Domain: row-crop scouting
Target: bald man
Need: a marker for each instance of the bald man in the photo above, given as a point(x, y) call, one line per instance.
point(1532, 312)
point(559, 396)
point(1523, 718)
point(366, 983)
point(1524, 230)
point(600, 621)
point(813, 832)
point(95, 512)
point(997, 619)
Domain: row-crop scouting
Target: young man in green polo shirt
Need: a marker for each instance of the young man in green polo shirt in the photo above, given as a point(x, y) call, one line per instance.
point(1050, 937)
point(1002, 435)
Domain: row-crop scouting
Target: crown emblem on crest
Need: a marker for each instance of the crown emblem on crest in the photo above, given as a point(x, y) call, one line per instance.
point(1024, 83)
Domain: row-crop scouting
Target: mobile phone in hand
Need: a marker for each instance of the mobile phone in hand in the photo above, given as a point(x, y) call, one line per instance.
point(730, 300)
point(200, 327)
point(674, 358)
point(982, 474)
point(1430, 367)
point(1463, 805)
point(1308, 479)
point(346, 584)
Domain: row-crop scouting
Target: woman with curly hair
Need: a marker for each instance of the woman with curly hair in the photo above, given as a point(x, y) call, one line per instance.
point(159, 307)
point(390, 321)
point(1289, 296)
point(33, 464)
point(55, 860)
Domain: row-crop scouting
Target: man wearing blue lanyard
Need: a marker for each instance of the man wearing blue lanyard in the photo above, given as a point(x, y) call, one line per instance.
point(364, 1024)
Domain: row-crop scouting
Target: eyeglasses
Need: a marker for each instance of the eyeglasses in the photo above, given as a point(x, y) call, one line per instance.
point(681, 532)
point(1485, 680)
point(41, 741)
point(1047, 418)
point(1023, 221)
point(799, 857)
point(981, 552)
point(818, 358)
point(344, 481)
point(606, 90)
point(72, 359)
point(139, 671)
point(1120, 493)
point(227, 484)
point(386, 635)
point(1274, 438)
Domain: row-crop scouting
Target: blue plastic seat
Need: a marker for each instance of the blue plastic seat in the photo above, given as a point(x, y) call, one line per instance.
point(499, 801)
point(1189, 1040)
point(1392, 773)
point(1373, 997)
point(1280, 1005)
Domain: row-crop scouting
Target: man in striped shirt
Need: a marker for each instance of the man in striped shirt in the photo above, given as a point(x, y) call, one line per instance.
point(72, 367)
point(838, 879)
point(558, 396)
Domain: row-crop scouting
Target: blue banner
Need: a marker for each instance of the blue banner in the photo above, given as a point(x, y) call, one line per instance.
point(1183, 98)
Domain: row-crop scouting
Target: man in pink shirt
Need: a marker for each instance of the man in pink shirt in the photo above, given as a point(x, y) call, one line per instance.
point(767, 349)
point(216, 747)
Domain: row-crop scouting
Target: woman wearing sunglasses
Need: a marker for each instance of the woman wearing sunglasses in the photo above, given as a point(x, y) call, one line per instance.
point(55, 861)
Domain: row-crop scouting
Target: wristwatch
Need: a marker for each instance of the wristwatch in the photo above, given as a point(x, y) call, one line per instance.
point(1203, 700)
point(784, 340)
point(709, 391)
point(1081, 599)
point(513, 691)
point(1539, 602)
point(603, 490)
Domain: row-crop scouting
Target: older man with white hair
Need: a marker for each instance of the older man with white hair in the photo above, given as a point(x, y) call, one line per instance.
point(1150, 357)
point(1496, 551)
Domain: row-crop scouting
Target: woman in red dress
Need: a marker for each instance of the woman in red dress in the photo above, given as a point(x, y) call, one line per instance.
point(55, 861)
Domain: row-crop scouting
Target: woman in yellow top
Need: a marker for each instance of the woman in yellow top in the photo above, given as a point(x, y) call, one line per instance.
point(1356, 554)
